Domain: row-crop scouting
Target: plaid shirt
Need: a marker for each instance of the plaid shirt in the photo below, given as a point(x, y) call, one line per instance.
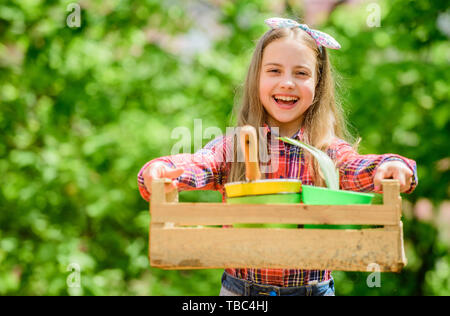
point(207, 169)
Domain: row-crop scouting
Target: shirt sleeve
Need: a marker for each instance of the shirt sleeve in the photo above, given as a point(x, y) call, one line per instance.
point(204, 170)
point(356, 172)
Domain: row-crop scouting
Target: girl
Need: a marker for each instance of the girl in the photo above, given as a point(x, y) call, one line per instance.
point(289, 88)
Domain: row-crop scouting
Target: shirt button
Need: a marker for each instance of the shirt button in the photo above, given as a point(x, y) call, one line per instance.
point(273, 293)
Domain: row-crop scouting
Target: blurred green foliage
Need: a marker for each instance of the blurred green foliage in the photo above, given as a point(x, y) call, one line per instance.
point(83, 108)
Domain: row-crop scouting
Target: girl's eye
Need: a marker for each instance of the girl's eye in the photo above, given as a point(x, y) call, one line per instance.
point(301, 73)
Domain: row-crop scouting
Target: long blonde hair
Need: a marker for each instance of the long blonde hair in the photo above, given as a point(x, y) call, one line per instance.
point(323, 120)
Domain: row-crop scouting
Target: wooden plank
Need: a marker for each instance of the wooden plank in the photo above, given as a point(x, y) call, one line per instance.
point(391, 197)
point(227, 214)
point(346, 250)
point(159, 197)
point(157, 194)
point(401, 246)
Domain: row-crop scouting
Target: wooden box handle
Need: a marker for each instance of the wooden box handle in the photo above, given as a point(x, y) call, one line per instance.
point(249, 143)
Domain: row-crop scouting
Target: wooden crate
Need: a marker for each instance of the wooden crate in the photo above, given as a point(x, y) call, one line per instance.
point(178, 241)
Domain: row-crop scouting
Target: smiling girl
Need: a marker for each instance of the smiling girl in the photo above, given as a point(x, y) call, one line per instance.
point(290, 89)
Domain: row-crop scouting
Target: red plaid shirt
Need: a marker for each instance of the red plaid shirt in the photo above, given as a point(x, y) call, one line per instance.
point(208, 168)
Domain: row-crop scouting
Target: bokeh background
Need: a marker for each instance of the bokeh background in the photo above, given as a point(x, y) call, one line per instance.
point(83, 108)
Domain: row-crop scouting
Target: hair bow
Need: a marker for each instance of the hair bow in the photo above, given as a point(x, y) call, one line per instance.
point(321, 38)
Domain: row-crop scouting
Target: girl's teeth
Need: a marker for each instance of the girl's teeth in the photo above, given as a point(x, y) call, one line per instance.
point(286, 98)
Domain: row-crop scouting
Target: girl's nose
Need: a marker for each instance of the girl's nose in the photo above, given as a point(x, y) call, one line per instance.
point(287, 83)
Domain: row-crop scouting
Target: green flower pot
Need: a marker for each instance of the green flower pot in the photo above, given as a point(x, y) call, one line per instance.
point(323, 196)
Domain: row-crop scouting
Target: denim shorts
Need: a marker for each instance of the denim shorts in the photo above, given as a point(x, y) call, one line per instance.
point(247, 288)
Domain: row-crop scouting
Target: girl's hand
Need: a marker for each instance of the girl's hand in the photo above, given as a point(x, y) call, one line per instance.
point(393, 170)
point(158, 170)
